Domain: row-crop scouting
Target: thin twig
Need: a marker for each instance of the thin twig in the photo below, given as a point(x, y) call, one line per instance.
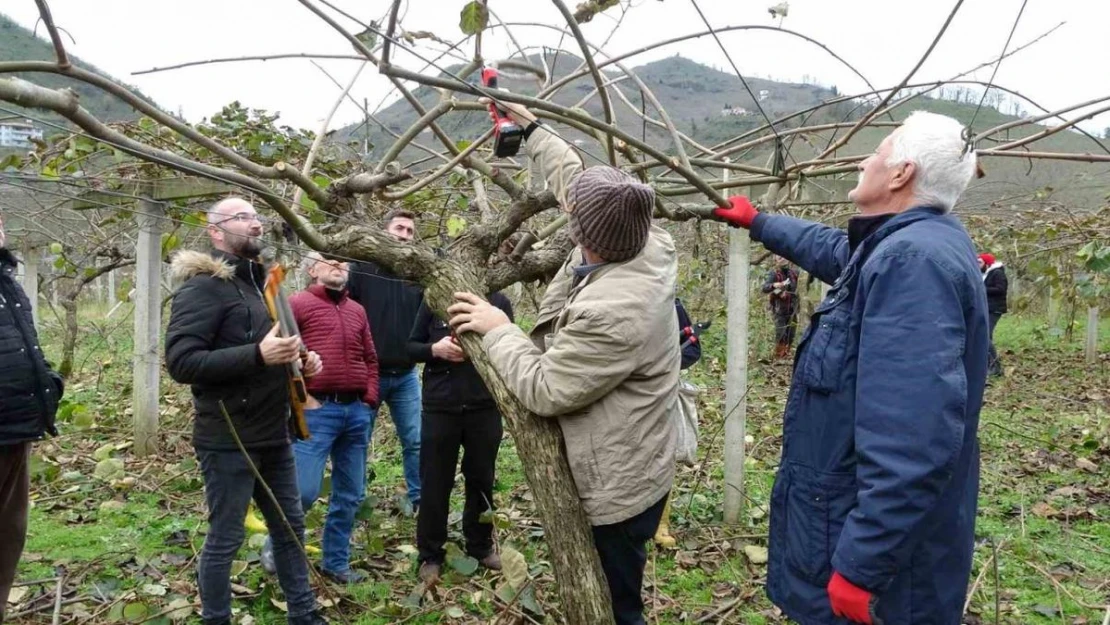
point(259, 57)
point(602, 92)
point(58, 598)
point(319, 140)
point(870, 115)
point(55, 38)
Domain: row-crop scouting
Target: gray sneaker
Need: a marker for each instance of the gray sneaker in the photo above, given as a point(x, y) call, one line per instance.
point(267, 557)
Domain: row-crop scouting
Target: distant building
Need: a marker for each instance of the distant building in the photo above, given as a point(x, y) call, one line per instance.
point(734, 110)
point(764, 94)
point(18, 134)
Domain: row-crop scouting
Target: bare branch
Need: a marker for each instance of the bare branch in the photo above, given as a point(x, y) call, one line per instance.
point(606, 105)
point(1059, 156)
point(185, 130)
point(307, 168)
point(389, 32)
point(64, 102)
point(1051, 131)
point(534, 265)
point(368, 183)
point(1033, 120)
point(55, 38)
point(415, 129)
point(620, 57)
point(442, 171)
point(875, 111)
point(562, 113)
point(237, 59)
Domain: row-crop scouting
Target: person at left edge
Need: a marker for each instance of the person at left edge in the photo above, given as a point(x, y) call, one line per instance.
point(29, 393)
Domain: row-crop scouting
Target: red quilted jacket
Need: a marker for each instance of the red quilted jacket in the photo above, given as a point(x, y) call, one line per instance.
point(340, 334)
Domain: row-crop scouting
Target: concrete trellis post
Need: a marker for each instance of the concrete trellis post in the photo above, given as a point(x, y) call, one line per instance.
point(736, 375)
point(148, 322)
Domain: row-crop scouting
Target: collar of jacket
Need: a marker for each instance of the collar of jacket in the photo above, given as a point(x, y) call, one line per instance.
point(244, 267)
point(988, 270)
point(7, 259)
point(861, 227)
point(321, 291)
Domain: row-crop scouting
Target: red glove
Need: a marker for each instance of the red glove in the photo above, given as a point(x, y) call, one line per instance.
point(849, 601)
point(740, 214)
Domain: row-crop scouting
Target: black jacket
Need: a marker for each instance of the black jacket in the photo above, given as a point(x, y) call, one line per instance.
point(449, 386)
point(391, 305)
point(217, 320)
point(997, 286)
point(29, 388)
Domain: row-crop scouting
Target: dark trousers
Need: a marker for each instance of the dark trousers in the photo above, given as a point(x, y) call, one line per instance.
point(229, 486)
point(15, 485)
point(995, 367)
point(785, 324)
point(442, 433)
point(623, 557)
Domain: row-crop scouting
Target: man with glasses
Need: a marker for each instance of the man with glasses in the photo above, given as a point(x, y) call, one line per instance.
point(340, 410)
point(29, 394)
point(221, 342)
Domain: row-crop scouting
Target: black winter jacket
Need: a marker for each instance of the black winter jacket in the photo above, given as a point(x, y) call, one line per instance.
point(29, 388)
point(449, 386)
point(217, 320)
point(997, 286)
point(391, 305)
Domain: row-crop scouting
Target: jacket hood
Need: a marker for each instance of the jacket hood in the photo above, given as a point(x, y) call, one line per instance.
point(188, 264)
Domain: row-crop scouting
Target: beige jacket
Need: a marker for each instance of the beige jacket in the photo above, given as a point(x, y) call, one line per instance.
point(602, 359)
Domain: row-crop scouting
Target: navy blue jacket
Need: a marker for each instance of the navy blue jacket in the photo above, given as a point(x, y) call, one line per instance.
point(880, 461)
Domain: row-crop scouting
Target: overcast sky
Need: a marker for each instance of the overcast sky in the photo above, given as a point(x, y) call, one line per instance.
point(882, 38)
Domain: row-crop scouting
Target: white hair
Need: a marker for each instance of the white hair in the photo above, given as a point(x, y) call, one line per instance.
point(309, 261)
point(935, 145)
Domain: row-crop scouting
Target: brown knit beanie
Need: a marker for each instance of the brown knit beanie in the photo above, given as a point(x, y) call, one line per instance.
point(610, 212)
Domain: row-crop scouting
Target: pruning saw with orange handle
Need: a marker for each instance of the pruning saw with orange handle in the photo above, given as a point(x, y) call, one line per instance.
point(278, 305)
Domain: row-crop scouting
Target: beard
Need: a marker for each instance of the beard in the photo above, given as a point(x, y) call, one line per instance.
point(245, 246)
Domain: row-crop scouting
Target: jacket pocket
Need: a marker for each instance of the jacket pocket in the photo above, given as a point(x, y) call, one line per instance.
point(581, 454)
point(816, 504)
point(823, 365)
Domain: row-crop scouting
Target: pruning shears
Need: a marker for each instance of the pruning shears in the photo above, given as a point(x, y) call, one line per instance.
point(507, 134)
point(693, 332)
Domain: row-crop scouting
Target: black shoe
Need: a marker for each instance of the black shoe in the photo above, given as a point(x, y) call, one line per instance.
point(312, 618)
point(350, 576)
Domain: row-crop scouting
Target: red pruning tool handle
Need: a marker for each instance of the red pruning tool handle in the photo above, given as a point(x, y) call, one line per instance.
point(489, 81)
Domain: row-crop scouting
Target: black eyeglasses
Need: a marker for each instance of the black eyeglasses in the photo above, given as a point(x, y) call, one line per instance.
point(244, 218)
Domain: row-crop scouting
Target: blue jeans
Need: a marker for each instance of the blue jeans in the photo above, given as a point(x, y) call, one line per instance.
point(229, 486)
point(402, 393)
point(341, 431)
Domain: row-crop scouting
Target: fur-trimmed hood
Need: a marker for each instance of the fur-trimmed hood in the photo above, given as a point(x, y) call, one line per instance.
point(189, 263)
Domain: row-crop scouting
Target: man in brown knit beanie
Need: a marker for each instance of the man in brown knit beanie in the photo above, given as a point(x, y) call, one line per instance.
point(601, 358)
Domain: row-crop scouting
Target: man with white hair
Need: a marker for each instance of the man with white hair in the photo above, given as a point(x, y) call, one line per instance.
point(221, 342)
point(342, 404)
point(873, 508)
